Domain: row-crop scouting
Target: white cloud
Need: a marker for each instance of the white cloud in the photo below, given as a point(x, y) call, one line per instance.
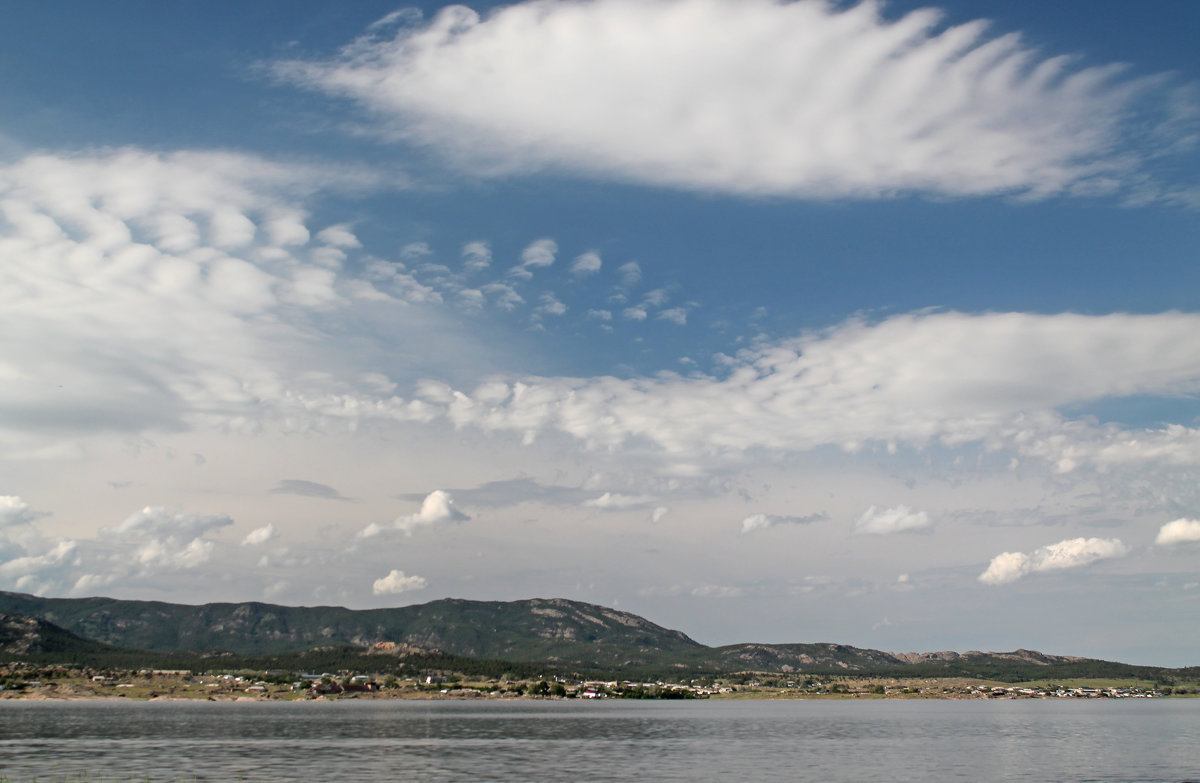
point(339, 236)
point(655, 298)
point(164, 540)
point(550, 305)
point(718, 591)
point(885, 521)
point(415, 252)
point(913, 379)
point(1072, 553)
point(396, 582)
point(145, 545)
point(676, 315)
point(138, 287)
point(538, 254)
point(659, 513)
point(763, 521)
point(437, 509)
point(634, 313)
point(1180, 531)
point(613, 501)
point(588, 263)
point(260, 535)
point(630, 273)
point(15, 511)
point(504, 296)
point(477, 256)
point(806, 98)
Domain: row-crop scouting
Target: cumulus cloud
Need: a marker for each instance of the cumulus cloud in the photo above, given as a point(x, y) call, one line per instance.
point(806, 98)
point(146, 544)
point(396, 582)
point(163, 539)
point(15, 511)
point(885, 521)
point(659, 513)
point(260, 535)
point(437, 509)
point(1180, 531)
point(763, 521)
point(1072, 553)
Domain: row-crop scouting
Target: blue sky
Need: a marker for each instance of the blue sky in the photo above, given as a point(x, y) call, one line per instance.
point(770, 321)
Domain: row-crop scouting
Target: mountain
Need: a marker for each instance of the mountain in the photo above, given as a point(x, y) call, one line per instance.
point(1008, 666)
point(31, 637)
point(552, 630)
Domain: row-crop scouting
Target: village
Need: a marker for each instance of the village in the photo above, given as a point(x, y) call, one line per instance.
point(157, 684)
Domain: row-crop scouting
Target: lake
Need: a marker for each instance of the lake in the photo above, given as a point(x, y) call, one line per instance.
point(866, 740)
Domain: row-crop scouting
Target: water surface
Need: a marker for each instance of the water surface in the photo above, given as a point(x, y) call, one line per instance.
point(895, 741)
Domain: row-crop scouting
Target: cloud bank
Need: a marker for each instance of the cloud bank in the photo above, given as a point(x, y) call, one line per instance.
point(806, 98)
point(146, 544)
point(917, 379)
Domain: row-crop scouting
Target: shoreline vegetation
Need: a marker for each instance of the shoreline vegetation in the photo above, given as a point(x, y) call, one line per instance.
point(22, 682)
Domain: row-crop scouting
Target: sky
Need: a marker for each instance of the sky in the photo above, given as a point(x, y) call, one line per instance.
point(868, 323)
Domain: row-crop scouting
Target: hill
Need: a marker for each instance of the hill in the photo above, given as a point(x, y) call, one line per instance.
point(552, 630)
point(30, 637)
point(552, 633)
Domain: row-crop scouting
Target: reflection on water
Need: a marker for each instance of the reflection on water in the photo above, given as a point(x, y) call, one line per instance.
point(570, 741)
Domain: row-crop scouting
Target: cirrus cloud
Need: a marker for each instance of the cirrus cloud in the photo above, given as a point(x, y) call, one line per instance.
point(805, 98)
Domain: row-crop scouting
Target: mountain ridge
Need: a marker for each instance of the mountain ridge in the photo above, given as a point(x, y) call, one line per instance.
point(553, 631)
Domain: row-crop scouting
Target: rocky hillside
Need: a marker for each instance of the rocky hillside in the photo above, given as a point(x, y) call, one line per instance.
point(552, 630)
point(24, 637)
point(831, 657)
